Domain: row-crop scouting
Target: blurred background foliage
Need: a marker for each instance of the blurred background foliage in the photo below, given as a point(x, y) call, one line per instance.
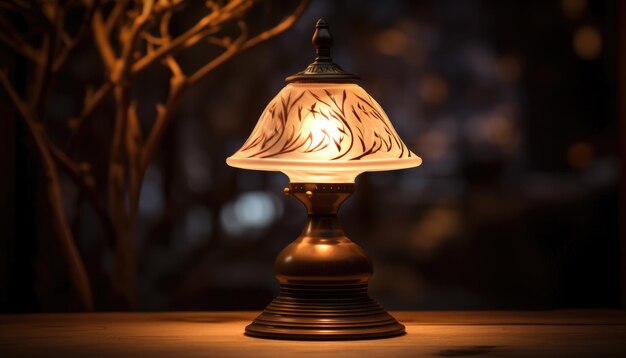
point(512, 106)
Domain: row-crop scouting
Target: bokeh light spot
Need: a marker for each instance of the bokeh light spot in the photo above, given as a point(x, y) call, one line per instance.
point(439, 225)
point(573, 9)
point(580, 155)
point(254, 210)
point(497, 128)
point(392, 42)
point(434, 89)
point(587, 42)
point(509, 68)
point(434, 144)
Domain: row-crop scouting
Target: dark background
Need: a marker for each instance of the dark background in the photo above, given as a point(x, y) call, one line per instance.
point(513, 107)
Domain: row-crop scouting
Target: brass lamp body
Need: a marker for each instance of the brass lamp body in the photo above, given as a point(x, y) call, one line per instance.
point(323, 279)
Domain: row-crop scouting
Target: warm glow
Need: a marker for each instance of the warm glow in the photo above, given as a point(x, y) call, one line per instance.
point(322, 249)
point(323, 133)
point(587, 42)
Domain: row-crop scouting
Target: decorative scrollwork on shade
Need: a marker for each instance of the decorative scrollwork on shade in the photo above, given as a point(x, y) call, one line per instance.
point(324, 68)
point(324, 122)
point(318, 130)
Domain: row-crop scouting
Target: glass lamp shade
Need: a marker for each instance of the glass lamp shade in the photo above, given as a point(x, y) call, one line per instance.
point(323, 133)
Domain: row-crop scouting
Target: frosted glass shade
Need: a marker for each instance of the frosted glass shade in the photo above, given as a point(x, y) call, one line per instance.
point(323, 133)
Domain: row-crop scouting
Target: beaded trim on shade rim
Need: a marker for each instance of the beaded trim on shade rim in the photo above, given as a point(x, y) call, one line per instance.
point(323, 133)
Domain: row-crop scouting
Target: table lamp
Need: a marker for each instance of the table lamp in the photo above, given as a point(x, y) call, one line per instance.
point(322, 130)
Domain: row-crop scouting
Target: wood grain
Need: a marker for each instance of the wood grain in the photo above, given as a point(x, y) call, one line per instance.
point(220, 334)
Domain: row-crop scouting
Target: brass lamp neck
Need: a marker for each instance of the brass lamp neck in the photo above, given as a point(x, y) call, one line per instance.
point(320, 199)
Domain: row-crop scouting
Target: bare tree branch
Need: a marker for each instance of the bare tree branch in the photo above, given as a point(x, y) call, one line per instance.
point(115, 15)
point(165, 111)
point(81, 175)
point(78, 275)
point(232, 50)
point(9, 35)
point(101, 38)
point(233, 9)
point(124, 270)
point(134, 143)
point(81, 171)
point(285, 24)
point(92, 100)
point(164, 25)
point(164, 114)
point(278, 29)
point(128, 45)
point(71, 42)
point(21, 106)
point(129, 37)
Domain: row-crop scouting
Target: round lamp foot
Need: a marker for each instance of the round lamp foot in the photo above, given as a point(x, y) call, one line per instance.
point(324, 313)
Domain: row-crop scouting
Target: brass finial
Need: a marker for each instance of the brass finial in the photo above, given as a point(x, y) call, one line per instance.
point(322, 69)
point(323, 41)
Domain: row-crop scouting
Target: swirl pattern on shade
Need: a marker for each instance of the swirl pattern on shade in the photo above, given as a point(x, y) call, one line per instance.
point(331, 122)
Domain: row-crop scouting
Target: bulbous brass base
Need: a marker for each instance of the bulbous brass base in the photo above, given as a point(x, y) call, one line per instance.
point(323, 279)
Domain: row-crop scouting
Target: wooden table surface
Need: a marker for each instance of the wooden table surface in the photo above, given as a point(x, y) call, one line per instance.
point(220, 334)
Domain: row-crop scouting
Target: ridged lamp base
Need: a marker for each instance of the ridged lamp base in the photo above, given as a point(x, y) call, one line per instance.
point(323, 279)
point(304, 312)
